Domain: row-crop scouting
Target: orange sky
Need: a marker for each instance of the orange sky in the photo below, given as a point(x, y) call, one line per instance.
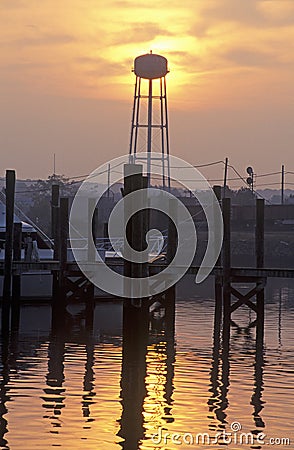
point(66, 84)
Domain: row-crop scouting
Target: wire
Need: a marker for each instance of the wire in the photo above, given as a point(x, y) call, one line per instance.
point(243, 179)
point(267, 174)
point(237, 173)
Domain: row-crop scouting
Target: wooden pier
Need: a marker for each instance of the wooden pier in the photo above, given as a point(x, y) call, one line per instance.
point(69, 283)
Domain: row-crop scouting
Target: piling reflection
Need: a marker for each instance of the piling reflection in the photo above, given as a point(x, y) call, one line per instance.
point(4, 397)
point(147, 373)
point(67, 328)
point(54, 392)
point(89, 379)
point(242, 338)
point(133, 373)
point(256, 399)
point(86, 387)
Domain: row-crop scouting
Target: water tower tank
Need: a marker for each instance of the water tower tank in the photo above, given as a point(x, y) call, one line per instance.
point(150, 66)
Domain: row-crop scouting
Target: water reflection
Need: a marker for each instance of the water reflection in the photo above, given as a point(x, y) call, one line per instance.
point(147, 372)
point(54, 393)
point(115, 391)
point(241, 342)
point(4, 397)
point(89, 378)
point(65, 328)
point(133, 387)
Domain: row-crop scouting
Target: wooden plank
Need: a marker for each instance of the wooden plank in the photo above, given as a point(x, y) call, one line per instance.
point(243, 299)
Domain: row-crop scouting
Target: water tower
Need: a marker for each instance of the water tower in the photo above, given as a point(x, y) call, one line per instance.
point(149, 130)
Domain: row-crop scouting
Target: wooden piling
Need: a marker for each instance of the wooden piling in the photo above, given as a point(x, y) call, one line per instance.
point(133, 181)
point(226, 256)
point(55, 219)
point(259, 248)
point(55, 232)
point(9, 192)
point(218, 292)
point(63, 244)
point(16, 278)
point(89, 297)
point(259, 233)
point(135, 321)
point(223, 301)
point(92, 229)
point(145, 218)
point(170, 293)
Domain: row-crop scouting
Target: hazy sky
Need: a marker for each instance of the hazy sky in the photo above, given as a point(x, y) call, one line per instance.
point(66, 85)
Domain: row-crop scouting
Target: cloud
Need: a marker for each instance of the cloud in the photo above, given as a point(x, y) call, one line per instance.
point(23, 66)
point(139, 32)
point(279, 13)
point(250, 57)
point(12, 4)
point(236, 10)
point(43, 39)
point(101, 66)
point(249, 14)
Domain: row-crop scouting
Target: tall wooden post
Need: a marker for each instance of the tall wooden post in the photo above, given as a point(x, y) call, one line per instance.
point(135, 324)
point(9, 191)
point(259, 233)
point(226, 271)
point(55, 230)
point(133, 181)
point(63, 244)
point(16, 278)
point(145, 218)
point(259, 357)
point(89, 298)
point(170, 293)
point(55, 219)
point(218, 294)
point(259, 248)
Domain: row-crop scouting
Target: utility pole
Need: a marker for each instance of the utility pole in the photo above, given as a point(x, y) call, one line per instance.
point(54, 164)
point(225, 176)
point(108, 180)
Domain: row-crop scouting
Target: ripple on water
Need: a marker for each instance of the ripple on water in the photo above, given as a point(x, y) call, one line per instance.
point(66, 391)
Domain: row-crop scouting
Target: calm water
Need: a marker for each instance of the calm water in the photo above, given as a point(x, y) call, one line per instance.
point(66, 389)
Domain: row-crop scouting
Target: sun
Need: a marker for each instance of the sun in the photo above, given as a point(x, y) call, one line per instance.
point(175, 50)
